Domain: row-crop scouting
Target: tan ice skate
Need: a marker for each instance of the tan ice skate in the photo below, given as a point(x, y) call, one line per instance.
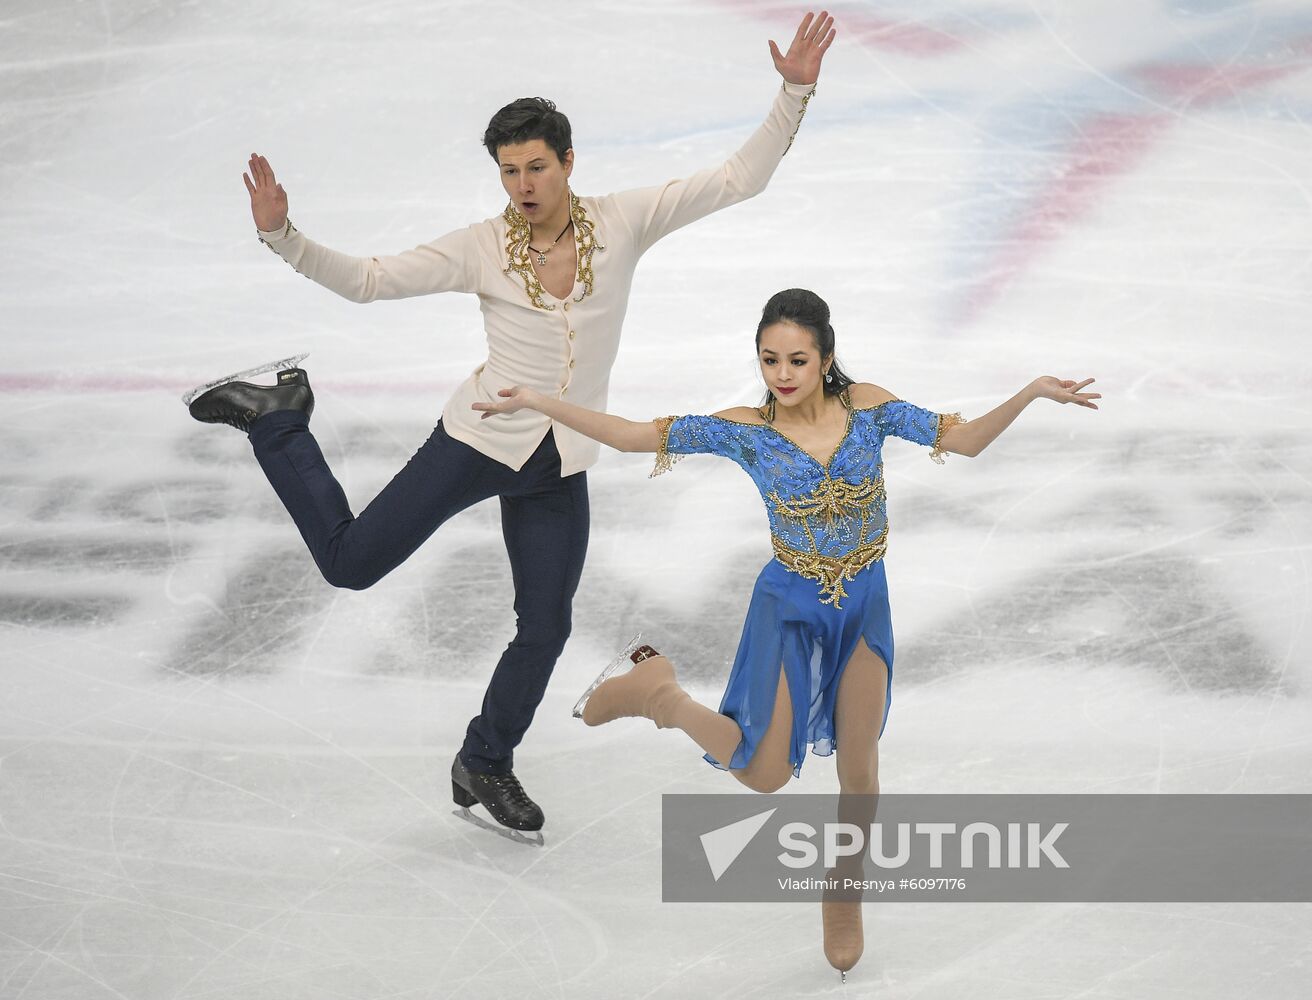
point(649, 690)
point(844, 937)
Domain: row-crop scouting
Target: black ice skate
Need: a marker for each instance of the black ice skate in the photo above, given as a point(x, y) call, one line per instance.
point(240, 404)
point(505, 800)
point(292, 362)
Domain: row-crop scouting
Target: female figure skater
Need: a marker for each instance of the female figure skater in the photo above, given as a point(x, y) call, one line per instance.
point(813, 450)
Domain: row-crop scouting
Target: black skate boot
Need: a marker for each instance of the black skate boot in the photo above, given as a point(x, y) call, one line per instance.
point(240, 404)
point(502, 796)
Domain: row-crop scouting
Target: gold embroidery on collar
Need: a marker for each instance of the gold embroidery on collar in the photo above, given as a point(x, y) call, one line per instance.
point(519, 234)
point(827, 571)
point(585, 238)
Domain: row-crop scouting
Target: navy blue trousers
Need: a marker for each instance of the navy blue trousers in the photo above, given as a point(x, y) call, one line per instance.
point(544, 520)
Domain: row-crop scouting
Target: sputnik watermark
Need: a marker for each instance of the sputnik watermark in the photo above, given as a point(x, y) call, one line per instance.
point(996, 848)
point(847, 840)
point(841, 842)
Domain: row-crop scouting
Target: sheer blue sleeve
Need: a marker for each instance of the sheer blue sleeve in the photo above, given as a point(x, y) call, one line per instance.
point(696, 435)
point(917, 425)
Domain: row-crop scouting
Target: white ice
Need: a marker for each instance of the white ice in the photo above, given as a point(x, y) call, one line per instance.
point(210, 788)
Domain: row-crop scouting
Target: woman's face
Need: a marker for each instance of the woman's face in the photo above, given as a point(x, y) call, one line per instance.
point(790, 363)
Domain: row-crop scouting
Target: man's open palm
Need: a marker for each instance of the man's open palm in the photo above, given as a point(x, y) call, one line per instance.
point(268, 199)
point(812, 41)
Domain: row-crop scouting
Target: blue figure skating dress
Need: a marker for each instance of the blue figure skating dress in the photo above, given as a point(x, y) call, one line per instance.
point(825, 589)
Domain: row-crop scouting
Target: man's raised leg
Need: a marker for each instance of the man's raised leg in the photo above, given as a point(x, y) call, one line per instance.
point(442, 478)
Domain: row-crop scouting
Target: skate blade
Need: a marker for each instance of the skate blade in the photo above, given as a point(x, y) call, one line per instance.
point(615, 664)
point(533, 838)
point(273, 366)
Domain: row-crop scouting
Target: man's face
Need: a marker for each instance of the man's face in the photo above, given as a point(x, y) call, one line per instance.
point(535, 178)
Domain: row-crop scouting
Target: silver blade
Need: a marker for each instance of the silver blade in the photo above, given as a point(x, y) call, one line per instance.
point(615, 664)
point(533, 838)
point(272, 366)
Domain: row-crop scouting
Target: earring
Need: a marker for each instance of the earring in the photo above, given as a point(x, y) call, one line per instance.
point(829, 379)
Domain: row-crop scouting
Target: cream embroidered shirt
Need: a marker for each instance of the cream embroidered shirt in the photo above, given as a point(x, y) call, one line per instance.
point(562, 347)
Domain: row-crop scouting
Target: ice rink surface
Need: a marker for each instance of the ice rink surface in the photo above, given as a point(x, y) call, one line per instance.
point(220, 778)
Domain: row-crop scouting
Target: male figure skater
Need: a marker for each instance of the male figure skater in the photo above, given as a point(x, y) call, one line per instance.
point(552, 274)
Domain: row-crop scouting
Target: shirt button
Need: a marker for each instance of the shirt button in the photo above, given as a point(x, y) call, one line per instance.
point(567, 307)
point(571, 362)
point(571, 335)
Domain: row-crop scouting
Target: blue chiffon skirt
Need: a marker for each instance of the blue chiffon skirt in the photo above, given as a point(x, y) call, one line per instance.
point(786, 624)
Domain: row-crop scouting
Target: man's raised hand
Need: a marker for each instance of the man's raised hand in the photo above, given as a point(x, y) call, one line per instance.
point(802, 63)
point(268, 199)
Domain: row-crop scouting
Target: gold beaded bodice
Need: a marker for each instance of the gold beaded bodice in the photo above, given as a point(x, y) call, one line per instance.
point(828, 521)
point(519, 233)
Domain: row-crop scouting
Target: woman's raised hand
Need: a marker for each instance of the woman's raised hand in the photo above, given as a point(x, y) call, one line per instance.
point(268, 199)
point(512, 400)
point(1065, 390)
point(802, 62)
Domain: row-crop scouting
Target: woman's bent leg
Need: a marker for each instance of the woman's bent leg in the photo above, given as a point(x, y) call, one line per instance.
point(771, 765)
point(716, 734)
point(444, 477)
point(650, 690)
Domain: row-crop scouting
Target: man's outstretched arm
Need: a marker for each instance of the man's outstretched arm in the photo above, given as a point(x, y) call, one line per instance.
point(655, 212)
point(448, 264)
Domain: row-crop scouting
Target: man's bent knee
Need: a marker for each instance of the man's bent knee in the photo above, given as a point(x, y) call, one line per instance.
point(350, 577)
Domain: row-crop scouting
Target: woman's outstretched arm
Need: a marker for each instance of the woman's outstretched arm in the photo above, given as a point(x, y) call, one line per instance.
point(620, 434)
point(973, 437)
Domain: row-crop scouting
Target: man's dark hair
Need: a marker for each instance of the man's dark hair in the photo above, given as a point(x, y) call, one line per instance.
point(526, 119)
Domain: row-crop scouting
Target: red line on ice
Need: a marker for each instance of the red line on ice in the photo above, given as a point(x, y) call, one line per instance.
point(1109, 146)
point(910, 38)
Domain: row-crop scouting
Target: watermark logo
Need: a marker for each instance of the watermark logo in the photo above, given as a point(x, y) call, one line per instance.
point(988, 848)
point(723, 846)
point(848, 840)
